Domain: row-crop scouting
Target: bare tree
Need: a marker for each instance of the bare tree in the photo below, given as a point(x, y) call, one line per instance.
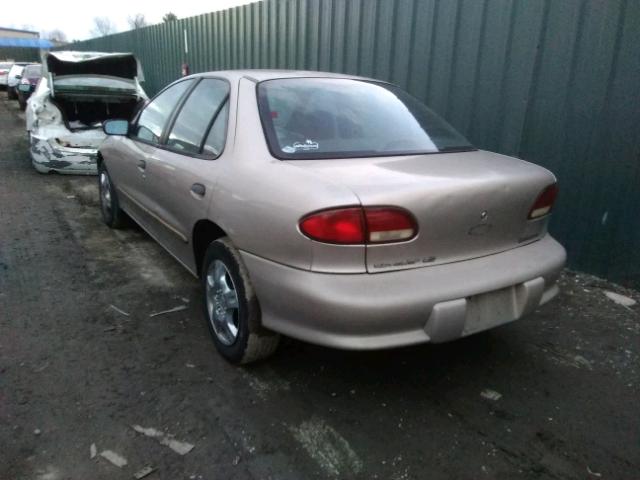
point(55, 35)
point(169, 17)
point(137, 21)
point(102, 26)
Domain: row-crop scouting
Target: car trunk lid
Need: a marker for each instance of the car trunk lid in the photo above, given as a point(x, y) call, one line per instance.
point(466, 205)
point(123, 65)
point(93, 75)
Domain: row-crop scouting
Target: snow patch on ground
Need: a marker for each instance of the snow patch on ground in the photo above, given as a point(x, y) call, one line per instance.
point(328, 448)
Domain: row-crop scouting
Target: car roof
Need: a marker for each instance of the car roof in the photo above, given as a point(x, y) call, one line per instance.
point(262, 75)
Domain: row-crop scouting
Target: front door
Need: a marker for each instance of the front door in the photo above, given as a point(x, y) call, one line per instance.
point(130, 172)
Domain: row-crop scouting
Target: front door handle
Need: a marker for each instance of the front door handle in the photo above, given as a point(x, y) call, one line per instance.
point(142, 165)
point(198, 189)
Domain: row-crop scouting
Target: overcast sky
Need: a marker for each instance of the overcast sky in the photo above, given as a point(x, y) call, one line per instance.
point(75, 18)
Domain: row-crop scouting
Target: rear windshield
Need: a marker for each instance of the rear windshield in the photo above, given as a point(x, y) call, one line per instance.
point(32, 71)
point(5, 66)
point(316, 118)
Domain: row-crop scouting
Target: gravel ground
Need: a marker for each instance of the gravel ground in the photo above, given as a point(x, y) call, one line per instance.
point(554, 396)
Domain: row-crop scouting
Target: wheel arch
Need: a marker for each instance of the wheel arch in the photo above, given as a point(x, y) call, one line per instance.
point(204, 232)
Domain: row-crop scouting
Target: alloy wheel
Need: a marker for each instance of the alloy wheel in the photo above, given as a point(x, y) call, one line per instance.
point(222, 303)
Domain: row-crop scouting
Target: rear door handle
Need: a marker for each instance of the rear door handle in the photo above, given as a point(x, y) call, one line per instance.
point(142, 165)
point(198, 189)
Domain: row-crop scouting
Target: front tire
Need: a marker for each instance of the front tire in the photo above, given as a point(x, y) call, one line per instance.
point(231, 307)
point(112, 215)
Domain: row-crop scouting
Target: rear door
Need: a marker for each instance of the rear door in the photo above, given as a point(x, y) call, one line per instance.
point(182, 175)
point(129, 168)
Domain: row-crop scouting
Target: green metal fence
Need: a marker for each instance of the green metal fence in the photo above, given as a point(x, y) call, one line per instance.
point(19, 54)
point(556, 82)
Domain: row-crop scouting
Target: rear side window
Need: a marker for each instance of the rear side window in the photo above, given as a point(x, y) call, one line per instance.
point(215, 140)
point(316, 118)
point(197, 116)
point(155, 115)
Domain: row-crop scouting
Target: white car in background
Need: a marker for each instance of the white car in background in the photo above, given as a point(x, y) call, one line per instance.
point(4, 73)
point(77, 93)
point(13, 78)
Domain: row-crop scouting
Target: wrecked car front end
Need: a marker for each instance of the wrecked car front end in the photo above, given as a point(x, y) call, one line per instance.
point(77, 93)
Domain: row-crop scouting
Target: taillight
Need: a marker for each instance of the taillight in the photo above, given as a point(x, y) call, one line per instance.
point(357, 226)
point(389, 224)
point(544, 203)
point(344, 226)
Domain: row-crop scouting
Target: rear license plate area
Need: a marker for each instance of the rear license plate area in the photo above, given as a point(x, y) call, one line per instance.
point(490, 309)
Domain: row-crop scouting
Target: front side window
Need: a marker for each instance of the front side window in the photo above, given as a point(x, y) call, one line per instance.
point(155, 115)
point(315, 118)
point(197, 116)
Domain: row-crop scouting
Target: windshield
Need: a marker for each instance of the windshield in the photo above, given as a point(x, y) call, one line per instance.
point(315, 118)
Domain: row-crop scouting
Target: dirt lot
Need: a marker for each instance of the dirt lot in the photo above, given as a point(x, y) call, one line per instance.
point(77, 372)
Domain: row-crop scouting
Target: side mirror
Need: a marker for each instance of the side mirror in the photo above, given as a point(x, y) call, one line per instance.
point(116, 127)
point(18, 77)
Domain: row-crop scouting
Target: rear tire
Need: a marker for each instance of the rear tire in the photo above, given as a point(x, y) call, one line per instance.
point(231, 307)
point(11, 93)
point(112, 215)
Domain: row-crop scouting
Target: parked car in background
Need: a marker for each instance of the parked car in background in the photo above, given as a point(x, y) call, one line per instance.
point(78, 91)
point(13, 78)
point(334, 209)
point(30, 77)
point(4, 73)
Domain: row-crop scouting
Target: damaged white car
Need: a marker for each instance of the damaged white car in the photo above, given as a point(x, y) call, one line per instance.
point(78, 91)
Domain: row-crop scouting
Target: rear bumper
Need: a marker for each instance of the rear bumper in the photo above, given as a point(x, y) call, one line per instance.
point(429, 304)
point(47, 157)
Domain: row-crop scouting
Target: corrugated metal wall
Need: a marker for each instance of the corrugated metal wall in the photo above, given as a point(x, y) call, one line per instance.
point(556, 82)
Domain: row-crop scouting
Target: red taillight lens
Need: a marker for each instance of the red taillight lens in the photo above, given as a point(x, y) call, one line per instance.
point(344, 226)
point(544, 202)
point(389, 224)
point(356, 226)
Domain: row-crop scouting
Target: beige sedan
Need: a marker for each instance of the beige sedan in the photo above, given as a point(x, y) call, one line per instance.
point(334, 209)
